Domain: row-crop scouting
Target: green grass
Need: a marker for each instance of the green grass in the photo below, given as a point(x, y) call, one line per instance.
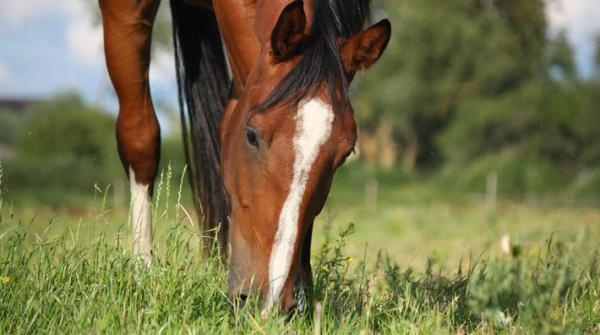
point(417, 222)
point(440, 270)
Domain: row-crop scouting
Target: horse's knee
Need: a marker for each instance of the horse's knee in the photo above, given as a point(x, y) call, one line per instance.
point(138, 143)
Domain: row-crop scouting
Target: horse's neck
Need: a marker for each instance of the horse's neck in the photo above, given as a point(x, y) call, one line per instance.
point(236, 22)
point(244, 35)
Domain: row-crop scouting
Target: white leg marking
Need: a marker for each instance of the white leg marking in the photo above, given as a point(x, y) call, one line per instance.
point(141, 218)
point(313, 127)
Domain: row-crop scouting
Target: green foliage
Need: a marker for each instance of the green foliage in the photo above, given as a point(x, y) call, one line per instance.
point(527, 288)
point(65, 152)
point(66, 128)
point(586, 184)
point(537, 119)
point(10, 123)
point(464, 80)
point(441, 56)
point(415, 84)
point(562, 63)
point(64, 148)
point(586, 124)
point(531, 175)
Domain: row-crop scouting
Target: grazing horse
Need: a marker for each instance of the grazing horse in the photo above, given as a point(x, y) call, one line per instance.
point(262, 152)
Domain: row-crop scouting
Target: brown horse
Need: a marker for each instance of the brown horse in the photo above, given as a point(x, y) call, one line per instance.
point(263, 156)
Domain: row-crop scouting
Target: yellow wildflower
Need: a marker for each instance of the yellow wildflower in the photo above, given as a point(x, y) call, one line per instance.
point(5, 280)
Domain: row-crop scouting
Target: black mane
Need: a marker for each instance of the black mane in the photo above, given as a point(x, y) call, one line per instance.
point(321, 62)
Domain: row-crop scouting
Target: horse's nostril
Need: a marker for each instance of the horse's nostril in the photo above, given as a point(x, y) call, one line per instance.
point(242, 299)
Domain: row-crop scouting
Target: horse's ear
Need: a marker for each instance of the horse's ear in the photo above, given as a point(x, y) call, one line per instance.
point(363, 49)
point(289, 31)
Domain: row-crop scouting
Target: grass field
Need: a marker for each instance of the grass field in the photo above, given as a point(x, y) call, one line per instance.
point(406, 258)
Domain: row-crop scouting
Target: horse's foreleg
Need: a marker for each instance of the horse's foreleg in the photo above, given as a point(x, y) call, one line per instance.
point(127, 34)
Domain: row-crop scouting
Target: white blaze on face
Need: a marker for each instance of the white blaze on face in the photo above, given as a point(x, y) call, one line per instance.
point(141, 218)
point(313, 128)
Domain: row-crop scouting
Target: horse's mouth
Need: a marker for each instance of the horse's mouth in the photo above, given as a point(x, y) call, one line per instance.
point(300, 292)
point(299, 307)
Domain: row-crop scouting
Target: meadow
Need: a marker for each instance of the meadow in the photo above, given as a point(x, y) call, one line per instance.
point(391, 254)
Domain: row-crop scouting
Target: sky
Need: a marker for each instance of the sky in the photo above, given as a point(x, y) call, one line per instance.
point(50, 46)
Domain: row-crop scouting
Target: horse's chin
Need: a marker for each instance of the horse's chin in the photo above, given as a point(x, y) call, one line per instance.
point(300, 296)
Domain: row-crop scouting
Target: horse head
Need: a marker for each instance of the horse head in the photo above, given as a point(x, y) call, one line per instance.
point(284, 137)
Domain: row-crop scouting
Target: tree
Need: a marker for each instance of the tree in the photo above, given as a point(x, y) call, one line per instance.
point(64, 147)
point(464, 67)
point(9, 127)
point(441, 53)
point(589, 118)
point(65, 128)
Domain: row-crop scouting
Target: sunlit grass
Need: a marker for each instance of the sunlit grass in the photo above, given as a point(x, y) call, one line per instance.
point(62, 272)
point(416, 222)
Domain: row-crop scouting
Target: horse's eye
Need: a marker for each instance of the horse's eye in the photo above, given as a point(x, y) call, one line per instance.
point(252, 137)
